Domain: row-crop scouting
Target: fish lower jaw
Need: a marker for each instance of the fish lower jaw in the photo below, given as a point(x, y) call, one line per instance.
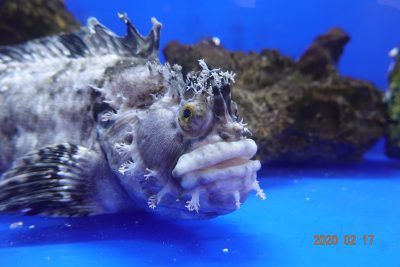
point(221, 187)
point(210, 192)
point(213, 179)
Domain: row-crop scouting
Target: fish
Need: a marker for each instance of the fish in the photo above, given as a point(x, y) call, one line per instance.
point(93, 123)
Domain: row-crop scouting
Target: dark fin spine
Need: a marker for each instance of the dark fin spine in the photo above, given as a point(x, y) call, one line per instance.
point(94, 40)
point(146, 46)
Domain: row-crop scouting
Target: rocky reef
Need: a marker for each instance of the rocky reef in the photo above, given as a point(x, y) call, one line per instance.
point(299, 111)
point(392, 147)
point(22, 20)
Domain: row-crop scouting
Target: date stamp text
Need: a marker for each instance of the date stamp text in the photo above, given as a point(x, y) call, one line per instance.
point(348, 240)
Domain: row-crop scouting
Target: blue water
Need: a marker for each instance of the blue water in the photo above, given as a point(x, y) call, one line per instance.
point(303, 201)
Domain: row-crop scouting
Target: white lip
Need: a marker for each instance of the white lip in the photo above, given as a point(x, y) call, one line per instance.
point(213, 154)
point(220, 160)
point(209, 175)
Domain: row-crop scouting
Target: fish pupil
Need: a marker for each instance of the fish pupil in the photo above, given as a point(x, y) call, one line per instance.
point(187, 113)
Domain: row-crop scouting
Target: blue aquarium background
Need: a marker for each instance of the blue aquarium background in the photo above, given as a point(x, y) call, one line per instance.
point(349, 201)
point(251, 25)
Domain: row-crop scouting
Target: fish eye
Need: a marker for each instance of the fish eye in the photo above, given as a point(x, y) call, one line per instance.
point(187, 113)
point(194, 118)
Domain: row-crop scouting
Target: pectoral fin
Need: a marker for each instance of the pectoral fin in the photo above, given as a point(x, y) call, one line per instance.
point(53, 181)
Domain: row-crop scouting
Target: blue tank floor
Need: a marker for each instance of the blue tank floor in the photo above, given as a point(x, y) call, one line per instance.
point(302, 202)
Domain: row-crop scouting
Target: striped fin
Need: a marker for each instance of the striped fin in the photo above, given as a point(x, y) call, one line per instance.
point(94, 40)
point(53, 181)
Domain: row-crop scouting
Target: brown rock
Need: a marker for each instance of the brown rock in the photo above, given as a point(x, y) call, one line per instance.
point(22, 20)
point(324, 53)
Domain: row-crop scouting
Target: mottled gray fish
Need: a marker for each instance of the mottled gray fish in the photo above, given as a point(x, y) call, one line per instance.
point(92, 123)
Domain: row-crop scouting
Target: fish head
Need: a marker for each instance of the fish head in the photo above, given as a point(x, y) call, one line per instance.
point(190, 155)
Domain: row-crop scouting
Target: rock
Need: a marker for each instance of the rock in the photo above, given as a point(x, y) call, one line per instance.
point(392, 146)
point(324, 53)
point(22, 20)
point(299, 111)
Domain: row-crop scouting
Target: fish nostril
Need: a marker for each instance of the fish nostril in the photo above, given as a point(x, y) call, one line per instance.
point(128, 139)
point(224, 135)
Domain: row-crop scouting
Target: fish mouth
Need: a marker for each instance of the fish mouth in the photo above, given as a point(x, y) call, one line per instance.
point(217, 161)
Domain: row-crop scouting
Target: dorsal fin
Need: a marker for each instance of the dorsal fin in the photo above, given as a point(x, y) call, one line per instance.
point(92, 40)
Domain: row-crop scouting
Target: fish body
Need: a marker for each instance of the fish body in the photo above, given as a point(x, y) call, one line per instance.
point(93, 123)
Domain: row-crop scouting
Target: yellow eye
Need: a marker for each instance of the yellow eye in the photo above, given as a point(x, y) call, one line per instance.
point(187, 113)
point(194, 118)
